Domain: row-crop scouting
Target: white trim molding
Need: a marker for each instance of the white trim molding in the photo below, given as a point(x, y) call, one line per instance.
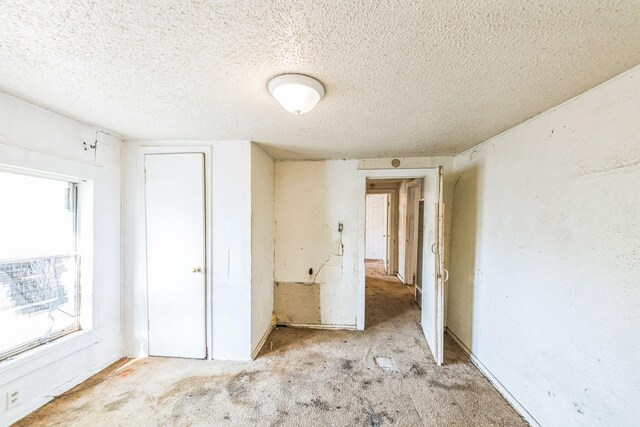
point(318, 326)
point(139, 314)
point(262, 341)
point(363, 175)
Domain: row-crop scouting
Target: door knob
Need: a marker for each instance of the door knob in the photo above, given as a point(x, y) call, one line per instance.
point(197, 269)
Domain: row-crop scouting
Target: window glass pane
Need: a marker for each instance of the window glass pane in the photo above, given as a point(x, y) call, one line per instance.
point(34, 220)
point(38, 263)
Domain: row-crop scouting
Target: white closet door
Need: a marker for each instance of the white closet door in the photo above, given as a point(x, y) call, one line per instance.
point(176, 280)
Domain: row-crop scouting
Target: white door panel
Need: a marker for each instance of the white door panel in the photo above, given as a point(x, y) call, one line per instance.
point(433, 267)
point(376, 226)
point(175, 209)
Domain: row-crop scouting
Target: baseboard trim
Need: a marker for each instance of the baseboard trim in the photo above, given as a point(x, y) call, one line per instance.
point(318, 326)
point(494, 381)
point(12, 416)
point(26, 409)
point(262, 341)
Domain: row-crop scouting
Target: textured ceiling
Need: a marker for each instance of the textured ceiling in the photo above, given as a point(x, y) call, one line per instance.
point(403, 78)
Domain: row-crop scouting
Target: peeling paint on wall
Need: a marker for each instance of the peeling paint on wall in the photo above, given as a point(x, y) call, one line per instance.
point(296, 302)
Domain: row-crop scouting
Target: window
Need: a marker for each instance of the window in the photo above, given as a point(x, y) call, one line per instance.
point(39, 261)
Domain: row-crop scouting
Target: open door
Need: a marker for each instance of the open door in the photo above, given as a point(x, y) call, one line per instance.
point(434, 273)
point(442, 273)
point(389, 238)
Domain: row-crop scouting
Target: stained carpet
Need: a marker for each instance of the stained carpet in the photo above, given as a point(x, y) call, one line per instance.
point(302, 377)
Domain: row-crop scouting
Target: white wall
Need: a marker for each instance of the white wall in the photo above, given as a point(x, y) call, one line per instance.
point(229, 218)
point(262, 245)
point(34, 138)
point(311, 198)
point(545, 263)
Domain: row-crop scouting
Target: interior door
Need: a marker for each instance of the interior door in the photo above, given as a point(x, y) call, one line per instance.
point(176, 281)
point(413, 198)
point(376, 226)
point(385, 230)
point(408, 270)
point(418, 284)
point(442, 275)
point(434, 275)
point(388, 236)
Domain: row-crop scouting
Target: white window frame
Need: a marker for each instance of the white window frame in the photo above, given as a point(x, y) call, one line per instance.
point(83, 228)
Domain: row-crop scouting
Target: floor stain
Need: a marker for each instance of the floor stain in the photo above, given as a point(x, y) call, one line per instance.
point(239, 385)
point(125, 373)
point(417, 370)
point(320, 404)
point(308, 377)
point(374, 418)
point(450, 387)
point(189, 387)
point(118, 403)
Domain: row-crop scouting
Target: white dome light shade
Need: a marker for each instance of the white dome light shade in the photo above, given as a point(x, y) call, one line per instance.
point(296, 93)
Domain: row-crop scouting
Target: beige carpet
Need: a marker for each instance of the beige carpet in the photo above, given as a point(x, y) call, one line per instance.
point(302, 377)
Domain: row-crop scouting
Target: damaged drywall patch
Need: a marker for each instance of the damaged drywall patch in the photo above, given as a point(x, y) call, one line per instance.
point(315, 256)
point(276, 284)
point(297, 302)
point(339, 254)
point(300, 302)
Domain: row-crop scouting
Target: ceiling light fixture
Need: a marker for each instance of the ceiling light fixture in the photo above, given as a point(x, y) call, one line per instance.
point(296, 93)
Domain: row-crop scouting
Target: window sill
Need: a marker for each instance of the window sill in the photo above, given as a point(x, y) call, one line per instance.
point(45, 354)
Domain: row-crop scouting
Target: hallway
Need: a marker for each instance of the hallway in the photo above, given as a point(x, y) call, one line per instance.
point(303, 377)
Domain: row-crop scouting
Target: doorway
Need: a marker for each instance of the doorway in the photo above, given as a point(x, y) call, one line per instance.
point(175, 254)
point(413, 219)
point(420, 234)
point(377, 228)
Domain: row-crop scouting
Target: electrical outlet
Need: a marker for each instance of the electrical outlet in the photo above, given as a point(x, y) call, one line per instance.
point(12, 398)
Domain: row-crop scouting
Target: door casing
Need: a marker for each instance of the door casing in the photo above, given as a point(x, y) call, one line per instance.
point(392, 227)
point(176, 283)
point(414, 195)
point(137, 317)
point(432, 194)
